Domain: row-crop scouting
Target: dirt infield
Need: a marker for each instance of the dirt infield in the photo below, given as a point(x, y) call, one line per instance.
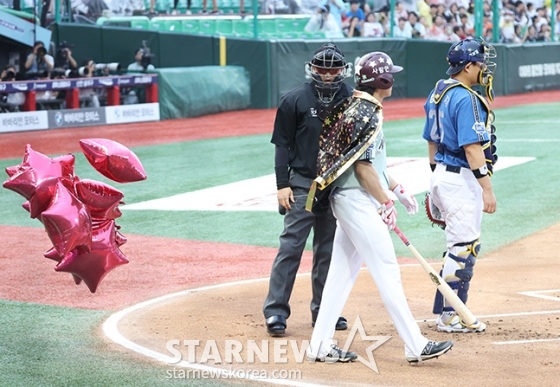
point(498, 357)
point(235, 312)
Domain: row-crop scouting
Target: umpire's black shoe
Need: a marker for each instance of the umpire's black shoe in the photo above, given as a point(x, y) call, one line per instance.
point(334, 355)
point(432, 350)
point(341, 324)
point(276, 325)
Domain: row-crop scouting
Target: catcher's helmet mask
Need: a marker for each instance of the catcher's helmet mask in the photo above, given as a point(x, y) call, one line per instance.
point(472, 50)
point(376, 70)
point(328, 59)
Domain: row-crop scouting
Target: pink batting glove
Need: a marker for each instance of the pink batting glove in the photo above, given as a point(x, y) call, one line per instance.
point(388, 214)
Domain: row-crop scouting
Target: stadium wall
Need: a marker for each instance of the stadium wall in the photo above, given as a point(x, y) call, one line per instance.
point(276, 66)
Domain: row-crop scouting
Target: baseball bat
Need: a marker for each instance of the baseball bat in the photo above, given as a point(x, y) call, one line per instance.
point(468, 318)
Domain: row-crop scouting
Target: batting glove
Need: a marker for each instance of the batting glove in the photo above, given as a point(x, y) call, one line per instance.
point(407, 200)
point(388, 214)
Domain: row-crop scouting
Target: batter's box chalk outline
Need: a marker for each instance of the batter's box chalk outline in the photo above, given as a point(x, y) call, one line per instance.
point(540, 294)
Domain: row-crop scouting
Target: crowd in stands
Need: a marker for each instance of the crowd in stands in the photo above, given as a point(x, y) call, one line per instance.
point(518, 21)
point(446, 20)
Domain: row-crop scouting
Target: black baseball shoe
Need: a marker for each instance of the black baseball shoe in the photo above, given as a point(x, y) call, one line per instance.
point(433, 349)
point(335, 355)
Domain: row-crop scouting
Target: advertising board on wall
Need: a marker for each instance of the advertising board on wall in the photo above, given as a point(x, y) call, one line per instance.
point(17, 122)
point(68, 118)
point(132, 113)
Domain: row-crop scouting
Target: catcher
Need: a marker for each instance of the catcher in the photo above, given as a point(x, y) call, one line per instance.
point(461, 152)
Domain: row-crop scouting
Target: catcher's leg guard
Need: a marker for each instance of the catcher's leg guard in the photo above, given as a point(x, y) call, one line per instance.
point(457, 271)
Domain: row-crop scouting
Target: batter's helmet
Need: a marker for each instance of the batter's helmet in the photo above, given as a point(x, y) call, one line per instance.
point(376, 70)
point(327, 58)
point(467, 51)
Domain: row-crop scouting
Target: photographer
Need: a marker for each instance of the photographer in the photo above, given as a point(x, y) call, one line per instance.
point(143, 61)
point(10, 102)
point(88, 97)
point(64, 59)
point(39, 60)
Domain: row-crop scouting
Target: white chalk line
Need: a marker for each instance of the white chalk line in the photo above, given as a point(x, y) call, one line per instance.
point(111, 331)
point(524, 341)
point(537, 293)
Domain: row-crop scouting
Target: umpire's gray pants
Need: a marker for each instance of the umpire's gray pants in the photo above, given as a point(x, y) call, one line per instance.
point(297, 226)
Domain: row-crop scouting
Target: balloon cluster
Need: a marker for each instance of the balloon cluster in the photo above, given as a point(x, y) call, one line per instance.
point(78, 215)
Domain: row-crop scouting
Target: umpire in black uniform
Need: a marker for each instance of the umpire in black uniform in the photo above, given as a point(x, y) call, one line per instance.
point(296, 135)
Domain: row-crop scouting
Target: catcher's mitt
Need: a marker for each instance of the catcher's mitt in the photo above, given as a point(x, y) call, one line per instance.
point(433, 213)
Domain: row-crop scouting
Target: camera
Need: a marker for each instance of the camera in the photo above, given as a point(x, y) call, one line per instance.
point(10, 76)
point(70, 73)
point(146, 56)
point(41, 51)
point(37, 74)
point(109, 66)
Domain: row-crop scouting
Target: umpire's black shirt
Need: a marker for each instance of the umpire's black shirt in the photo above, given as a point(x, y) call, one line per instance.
point(297, 126)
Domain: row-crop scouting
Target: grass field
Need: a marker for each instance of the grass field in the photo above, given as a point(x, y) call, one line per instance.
point(43, 345)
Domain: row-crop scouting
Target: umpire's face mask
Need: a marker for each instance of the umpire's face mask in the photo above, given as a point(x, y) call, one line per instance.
point(327, 82)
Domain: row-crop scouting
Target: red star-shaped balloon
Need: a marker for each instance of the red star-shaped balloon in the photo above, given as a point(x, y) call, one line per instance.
point(101, 199)
point(12, 170)
point(104, 256)
point(42, 198)
point(113, 160)
point(36, 169)
point(67, 222)
point(120, 239)
point(52, 254)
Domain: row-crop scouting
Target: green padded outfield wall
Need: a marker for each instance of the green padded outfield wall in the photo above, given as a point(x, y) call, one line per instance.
point(87, 41)
point(532, 67)
point(425, 63)
point(115, 44)
point(254, 55)
point(202, 90)
point(277, 66)
point(289, 57)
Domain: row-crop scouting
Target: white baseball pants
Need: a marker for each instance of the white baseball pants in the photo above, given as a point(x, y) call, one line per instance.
point(361, 236)
point(459, 198)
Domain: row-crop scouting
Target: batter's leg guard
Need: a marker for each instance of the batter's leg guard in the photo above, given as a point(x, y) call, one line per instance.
point(457, 271)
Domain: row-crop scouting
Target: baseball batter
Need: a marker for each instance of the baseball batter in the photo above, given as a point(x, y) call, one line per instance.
point(460, 150)
point(352, 156)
